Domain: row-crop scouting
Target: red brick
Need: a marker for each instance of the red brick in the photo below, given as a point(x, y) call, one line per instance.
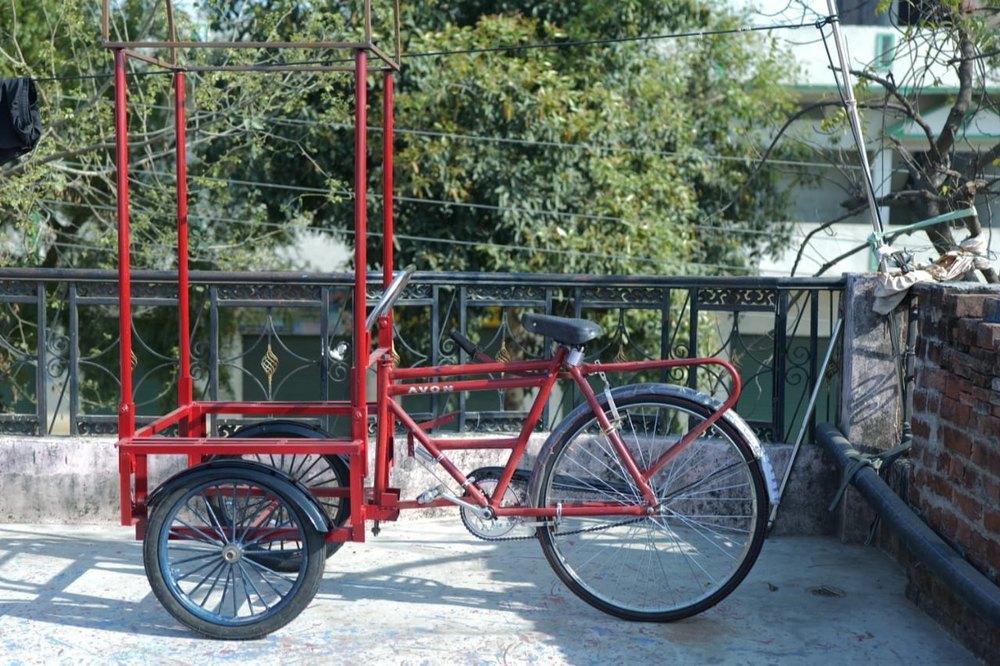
point(941, 520)
point(970, 507)
point(971, 482)
point(991, 460)
point(965, 305)
point(931, 484)
point(991, 521)
point(956, 412)
point(933, 379)
point(991, 309)
point(921, 429)
point(967, 332)
point(953, 387)
point(962, 534)
point(977, 396)
point(991, 491)
point(988, 336)
point(978, 547)
point(957, 441)
point(943, 464)
point(979, 372)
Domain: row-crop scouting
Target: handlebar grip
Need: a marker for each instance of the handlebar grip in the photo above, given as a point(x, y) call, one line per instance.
point(464, 342)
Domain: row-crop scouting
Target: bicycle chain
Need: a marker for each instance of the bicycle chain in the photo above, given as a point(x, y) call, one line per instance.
point(630, 521)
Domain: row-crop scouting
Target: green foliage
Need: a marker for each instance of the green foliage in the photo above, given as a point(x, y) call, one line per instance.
point(600, 159)
point(612, 157)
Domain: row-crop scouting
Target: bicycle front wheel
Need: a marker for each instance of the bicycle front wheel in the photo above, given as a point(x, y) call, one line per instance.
point(694, 548)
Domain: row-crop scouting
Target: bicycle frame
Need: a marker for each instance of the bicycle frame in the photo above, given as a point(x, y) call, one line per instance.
point(541, 374)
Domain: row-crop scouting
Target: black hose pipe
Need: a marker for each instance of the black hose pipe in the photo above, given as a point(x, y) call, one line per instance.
point(975, 589)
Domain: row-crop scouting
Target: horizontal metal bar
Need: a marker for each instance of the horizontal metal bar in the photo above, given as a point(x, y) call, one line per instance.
point(284, 407)
point(234, 445)
point(430, 278)
point(188, 44)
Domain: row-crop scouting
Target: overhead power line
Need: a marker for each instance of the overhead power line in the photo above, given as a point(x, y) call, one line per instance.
point(600, 41)
point(422, 239)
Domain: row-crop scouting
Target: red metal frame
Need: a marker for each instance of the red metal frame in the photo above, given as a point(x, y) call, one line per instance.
point(379, 501)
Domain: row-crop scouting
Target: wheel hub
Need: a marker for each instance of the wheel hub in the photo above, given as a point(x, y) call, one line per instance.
point(232, 554)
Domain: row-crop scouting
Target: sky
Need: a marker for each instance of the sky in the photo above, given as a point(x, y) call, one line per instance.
point(770, 11)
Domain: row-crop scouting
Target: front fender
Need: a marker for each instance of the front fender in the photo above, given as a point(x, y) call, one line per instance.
point(700, 401)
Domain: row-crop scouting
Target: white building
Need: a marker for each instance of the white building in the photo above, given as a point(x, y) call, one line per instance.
point(875, 44)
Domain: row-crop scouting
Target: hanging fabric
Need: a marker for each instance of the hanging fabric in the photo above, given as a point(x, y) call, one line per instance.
point(20, 120)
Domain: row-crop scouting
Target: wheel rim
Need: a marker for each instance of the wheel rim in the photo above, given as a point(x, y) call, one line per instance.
point(209, 552)
point(682, 559)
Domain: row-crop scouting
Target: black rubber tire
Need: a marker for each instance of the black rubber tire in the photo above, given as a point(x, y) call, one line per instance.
point(188, 551)
point(686, 557)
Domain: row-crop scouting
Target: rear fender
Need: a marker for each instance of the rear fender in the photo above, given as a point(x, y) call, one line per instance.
point(245, 470)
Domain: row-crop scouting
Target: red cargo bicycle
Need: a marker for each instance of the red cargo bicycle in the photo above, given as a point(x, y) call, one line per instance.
point(650, 501)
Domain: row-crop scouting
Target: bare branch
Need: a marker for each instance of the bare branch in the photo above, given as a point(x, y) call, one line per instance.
point(822, 227)
point(910, 110)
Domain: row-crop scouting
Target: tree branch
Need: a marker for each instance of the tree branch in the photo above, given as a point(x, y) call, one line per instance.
point(822, 227)
point(946, 140)
point(910, 110)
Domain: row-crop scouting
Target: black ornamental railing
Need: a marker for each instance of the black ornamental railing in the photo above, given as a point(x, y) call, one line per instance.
point(285, 336)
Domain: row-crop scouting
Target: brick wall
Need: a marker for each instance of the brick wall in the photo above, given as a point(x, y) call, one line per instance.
point(955, 481)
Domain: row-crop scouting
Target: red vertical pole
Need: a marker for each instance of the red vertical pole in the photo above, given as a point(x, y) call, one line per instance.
point(362, 343)
point(361, 339)
point(126, 408)
point(184, 386)
point(384, 450)
point(127, 462)
point(385, 336)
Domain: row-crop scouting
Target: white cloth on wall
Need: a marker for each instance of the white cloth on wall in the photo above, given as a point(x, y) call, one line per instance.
point(970, 255)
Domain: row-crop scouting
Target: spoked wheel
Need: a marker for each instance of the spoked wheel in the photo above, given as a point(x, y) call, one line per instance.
point(695, 548)
point(205, 567)
point(496, 528)
point(319, 473)
point(315, 472)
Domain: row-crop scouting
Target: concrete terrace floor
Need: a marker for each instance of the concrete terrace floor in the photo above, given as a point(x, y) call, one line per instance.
point(427, 592)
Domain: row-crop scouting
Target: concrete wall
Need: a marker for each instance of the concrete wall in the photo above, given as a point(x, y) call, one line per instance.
point(75, 480)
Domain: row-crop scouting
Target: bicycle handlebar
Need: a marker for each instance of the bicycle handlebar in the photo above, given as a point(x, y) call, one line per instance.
point(470, 348)
point(390, 295)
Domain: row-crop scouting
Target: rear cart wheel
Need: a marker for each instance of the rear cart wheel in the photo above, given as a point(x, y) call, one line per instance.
point(204, 565)
point(317, 472)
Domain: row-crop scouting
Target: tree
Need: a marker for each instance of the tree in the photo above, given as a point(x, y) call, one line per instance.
point(627, 157)
point(59, 200)
point(606, 158)
point(945, 171)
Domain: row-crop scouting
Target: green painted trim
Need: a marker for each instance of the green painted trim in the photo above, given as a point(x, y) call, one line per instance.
point(810, 87)
point(897, 129)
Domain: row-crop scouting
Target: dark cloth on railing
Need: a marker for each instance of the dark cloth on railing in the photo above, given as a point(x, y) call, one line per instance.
point(20, 119)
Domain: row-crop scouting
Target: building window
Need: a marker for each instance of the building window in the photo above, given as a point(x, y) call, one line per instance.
point(885, 51)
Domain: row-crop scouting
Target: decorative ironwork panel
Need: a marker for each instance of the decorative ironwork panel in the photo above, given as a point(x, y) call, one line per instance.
point(738, 299)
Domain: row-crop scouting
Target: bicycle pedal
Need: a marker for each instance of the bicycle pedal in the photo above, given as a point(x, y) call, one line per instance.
point(431, 494)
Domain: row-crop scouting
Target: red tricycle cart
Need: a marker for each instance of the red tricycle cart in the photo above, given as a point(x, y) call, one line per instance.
point(650, 501)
